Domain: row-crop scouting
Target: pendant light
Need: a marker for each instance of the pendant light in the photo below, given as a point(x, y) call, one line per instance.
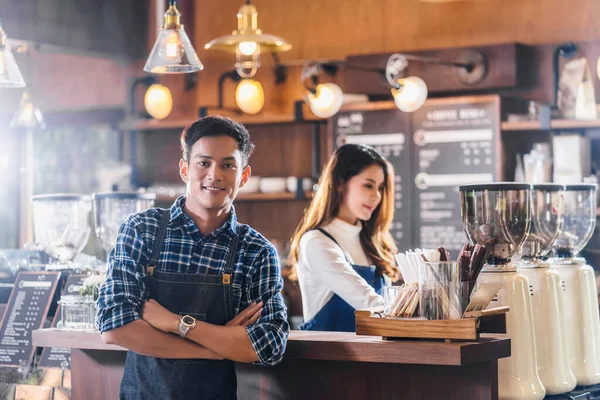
point(10, 75)
point(248, 42)
point(173, 52)
point(28, 116)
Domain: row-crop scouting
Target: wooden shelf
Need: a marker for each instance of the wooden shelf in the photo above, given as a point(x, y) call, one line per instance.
point(270, 196)
point(180, 123)
point(554, 124)
point(521, 126)
point(285, 196)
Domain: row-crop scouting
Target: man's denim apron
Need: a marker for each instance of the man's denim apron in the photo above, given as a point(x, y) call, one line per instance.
point(205, 297)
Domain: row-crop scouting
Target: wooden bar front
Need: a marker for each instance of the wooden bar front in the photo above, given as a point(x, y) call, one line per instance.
point(318, 365)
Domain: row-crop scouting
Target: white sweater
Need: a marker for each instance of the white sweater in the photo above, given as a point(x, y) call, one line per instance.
point(323, 269)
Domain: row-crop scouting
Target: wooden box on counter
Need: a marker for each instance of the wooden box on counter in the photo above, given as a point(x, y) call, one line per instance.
point(371, 322)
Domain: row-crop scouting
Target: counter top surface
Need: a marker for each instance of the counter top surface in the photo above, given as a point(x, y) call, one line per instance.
point(335, 346)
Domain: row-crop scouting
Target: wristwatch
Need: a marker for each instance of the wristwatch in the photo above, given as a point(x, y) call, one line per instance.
point(185, 324)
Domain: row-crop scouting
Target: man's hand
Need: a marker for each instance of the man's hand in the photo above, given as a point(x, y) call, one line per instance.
point(247, 317)
point(160, 318)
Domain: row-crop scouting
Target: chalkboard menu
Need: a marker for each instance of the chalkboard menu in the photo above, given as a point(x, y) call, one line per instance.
point(455, 141)
point(387, 131)
point(26, 310)
point(57, 357)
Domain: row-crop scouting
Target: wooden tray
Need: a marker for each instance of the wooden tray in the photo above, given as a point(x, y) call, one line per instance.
point(371, 322)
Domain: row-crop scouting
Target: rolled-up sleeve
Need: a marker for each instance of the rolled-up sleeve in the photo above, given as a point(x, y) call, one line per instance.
point(122, 293)
point(270, 333)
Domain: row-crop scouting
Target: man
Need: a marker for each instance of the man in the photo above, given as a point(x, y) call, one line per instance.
point(178, 278)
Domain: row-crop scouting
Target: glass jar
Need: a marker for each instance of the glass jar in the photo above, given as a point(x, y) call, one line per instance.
point(440, 294)
point(77, 313)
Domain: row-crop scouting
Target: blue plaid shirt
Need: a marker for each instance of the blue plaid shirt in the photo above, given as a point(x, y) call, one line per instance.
point(256, 276)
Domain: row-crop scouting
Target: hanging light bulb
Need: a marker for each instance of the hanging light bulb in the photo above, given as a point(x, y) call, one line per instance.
point(326, 100)
point(411, 93)
point(10, 75)
point(172, 52)
point(250, 96)
point(27, 115)
point(248, 42)
point(158, 101)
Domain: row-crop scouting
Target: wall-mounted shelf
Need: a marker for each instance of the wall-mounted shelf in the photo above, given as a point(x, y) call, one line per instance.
point(285, 196)
point(554, 124)
point(180, 123)
point(271, 196)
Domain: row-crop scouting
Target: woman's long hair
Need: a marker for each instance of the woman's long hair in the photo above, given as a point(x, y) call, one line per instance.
point(348, 161)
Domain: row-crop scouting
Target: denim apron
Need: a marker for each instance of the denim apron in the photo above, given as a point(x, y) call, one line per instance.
point(205, 297)
point(337, 315)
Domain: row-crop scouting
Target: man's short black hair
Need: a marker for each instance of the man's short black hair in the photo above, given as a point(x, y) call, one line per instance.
point(216, 126)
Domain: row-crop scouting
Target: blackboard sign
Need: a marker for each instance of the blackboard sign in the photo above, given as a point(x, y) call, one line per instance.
point(26, 310)
point(455, 141)
point(387, 131)
point(54, 357)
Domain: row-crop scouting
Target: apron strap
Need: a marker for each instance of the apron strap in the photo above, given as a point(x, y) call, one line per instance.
point(158, 242)
point(334, 241)
point(231, 257)
point(324, 232)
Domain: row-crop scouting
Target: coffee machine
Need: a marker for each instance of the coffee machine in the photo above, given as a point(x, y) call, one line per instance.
point(545, 289)
point(580, 297)
point(498, 216)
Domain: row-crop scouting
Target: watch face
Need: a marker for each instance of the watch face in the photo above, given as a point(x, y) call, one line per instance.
point(188, 320)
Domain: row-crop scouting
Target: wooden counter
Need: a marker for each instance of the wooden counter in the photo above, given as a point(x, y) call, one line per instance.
point(318, 365)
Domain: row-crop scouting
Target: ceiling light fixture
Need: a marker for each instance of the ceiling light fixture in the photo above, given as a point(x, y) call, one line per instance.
point(10, 75)
point(172, 52)
point(248, 42)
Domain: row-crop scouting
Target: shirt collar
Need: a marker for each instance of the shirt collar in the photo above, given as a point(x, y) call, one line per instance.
point(178, 213)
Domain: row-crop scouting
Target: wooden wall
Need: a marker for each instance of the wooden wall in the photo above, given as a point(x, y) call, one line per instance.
point(317, 30)
point(334, 29)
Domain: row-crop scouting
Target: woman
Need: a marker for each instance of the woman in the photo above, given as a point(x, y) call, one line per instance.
point(342, 249)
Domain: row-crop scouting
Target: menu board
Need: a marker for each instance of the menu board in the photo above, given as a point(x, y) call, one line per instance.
point(57, 357)
point(455, 141)
point(387, 131)
point(26, 310)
